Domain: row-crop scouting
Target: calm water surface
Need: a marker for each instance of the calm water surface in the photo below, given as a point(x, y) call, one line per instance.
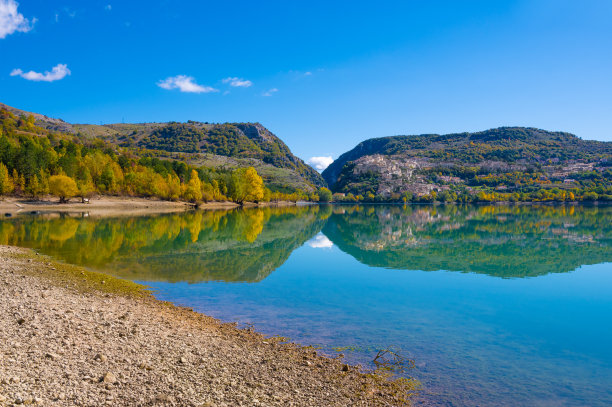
point(497, 305)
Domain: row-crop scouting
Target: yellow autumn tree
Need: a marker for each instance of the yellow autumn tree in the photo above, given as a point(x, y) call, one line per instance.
point(63, 187)
point(85, 183)
point(6, 184)
point(33, 187)
point(193, 189)
point(247, 185)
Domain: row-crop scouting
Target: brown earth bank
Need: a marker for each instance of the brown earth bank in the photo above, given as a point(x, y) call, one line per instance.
point(115, 206)
point(72, 337)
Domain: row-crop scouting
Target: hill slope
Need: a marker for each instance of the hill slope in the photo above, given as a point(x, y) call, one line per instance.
point(228, 145)
point(509, 159)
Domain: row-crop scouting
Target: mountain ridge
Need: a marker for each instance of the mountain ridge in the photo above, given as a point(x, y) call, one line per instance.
point(195, 142)
point(421, 164)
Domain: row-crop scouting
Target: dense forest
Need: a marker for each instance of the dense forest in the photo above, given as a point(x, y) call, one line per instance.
point(36, 161)
point(505, 164)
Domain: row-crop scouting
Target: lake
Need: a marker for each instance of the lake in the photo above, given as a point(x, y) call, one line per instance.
point(496, 305)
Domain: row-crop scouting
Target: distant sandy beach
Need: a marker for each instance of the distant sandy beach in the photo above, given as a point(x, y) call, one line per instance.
point(103, 206)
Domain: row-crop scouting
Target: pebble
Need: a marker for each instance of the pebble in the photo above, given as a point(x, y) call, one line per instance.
point(109, 378)
point(52, 356)
point(99, 367)
point(101, 358)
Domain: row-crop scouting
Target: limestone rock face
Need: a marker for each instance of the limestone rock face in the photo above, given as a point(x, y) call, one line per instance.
point(509, 156)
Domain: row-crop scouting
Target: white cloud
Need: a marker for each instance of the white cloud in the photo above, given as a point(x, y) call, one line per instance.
point(270, 92)
point(320, 163)
point(320, 241)
point(59, 71)
point(237, 82)
point(11, 20)
point(108, 7)
point(184, 83)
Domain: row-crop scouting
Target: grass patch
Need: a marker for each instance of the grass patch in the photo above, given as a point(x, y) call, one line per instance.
point(75, 277)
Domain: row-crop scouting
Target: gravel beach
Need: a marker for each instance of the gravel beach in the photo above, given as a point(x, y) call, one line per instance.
point(72, 337)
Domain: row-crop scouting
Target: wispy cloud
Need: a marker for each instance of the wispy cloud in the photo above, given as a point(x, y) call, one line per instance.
point(11, 20)
point(320, 241)
point(184, 83)
point(297, 75)
point(70, 12)
point(320, 163)
point(270, 92)
point(108, 7)
point(60, 71)
point(237, 82)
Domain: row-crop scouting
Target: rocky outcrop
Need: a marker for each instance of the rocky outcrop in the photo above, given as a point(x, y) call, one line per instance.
point(424, 163)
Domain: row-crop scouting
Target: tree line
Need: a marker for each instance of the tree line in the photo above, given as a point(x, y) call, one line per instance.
point(35, 162)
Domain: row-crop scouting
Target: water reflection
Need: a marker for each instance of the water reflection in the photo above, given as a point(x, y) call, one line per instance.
point(503, 241)
point(247, 245)
point(237, 245)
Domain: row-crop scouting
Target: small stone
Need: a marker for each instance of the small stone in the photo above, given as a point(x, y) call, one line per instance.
point(101, 358)
point(345, 368)
point(308, 363)
point(103, 282)
point(52, 356)
point(163, 398)
point(109, 378)
point(2, 398)
point(183, 360)
point(21, 321)
point(18, 400)
point(37, 400)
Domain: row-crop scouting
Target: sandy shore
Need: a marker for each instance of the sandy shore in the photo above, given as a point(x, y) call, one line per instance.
point(103, 206)
point(115, 206)
point(71, 337)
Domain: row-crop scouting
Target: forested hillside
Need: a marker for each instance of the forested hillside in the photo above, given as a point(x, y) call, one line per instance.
point(508, 163)
point(39, 155)
point(224, 146)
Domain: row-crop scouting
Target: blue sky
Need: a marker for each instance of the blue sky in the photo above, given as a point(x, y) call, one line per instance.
point(322, 75)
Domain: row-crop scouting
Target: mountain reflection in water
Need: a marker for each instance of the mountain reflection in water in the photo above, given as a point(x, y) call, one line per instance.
point(248, 244)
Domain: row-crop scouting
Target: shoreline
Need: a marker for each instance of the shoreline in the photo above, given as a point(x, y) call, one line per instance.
point(117, 206)
point(70, 336)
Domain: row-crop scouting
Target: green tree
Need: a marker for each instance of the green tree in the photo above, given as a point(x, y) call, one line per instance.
point(33, 187)
point(84, 183)
point(325, 195)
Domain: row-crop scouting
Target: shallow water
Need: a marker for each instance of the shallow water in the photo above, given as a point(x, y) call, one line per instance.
point(497, 305)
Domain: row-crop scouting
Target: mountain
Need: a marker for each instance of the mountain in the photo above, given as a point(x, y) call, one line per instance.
point(228, 145)
point(507, 159)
